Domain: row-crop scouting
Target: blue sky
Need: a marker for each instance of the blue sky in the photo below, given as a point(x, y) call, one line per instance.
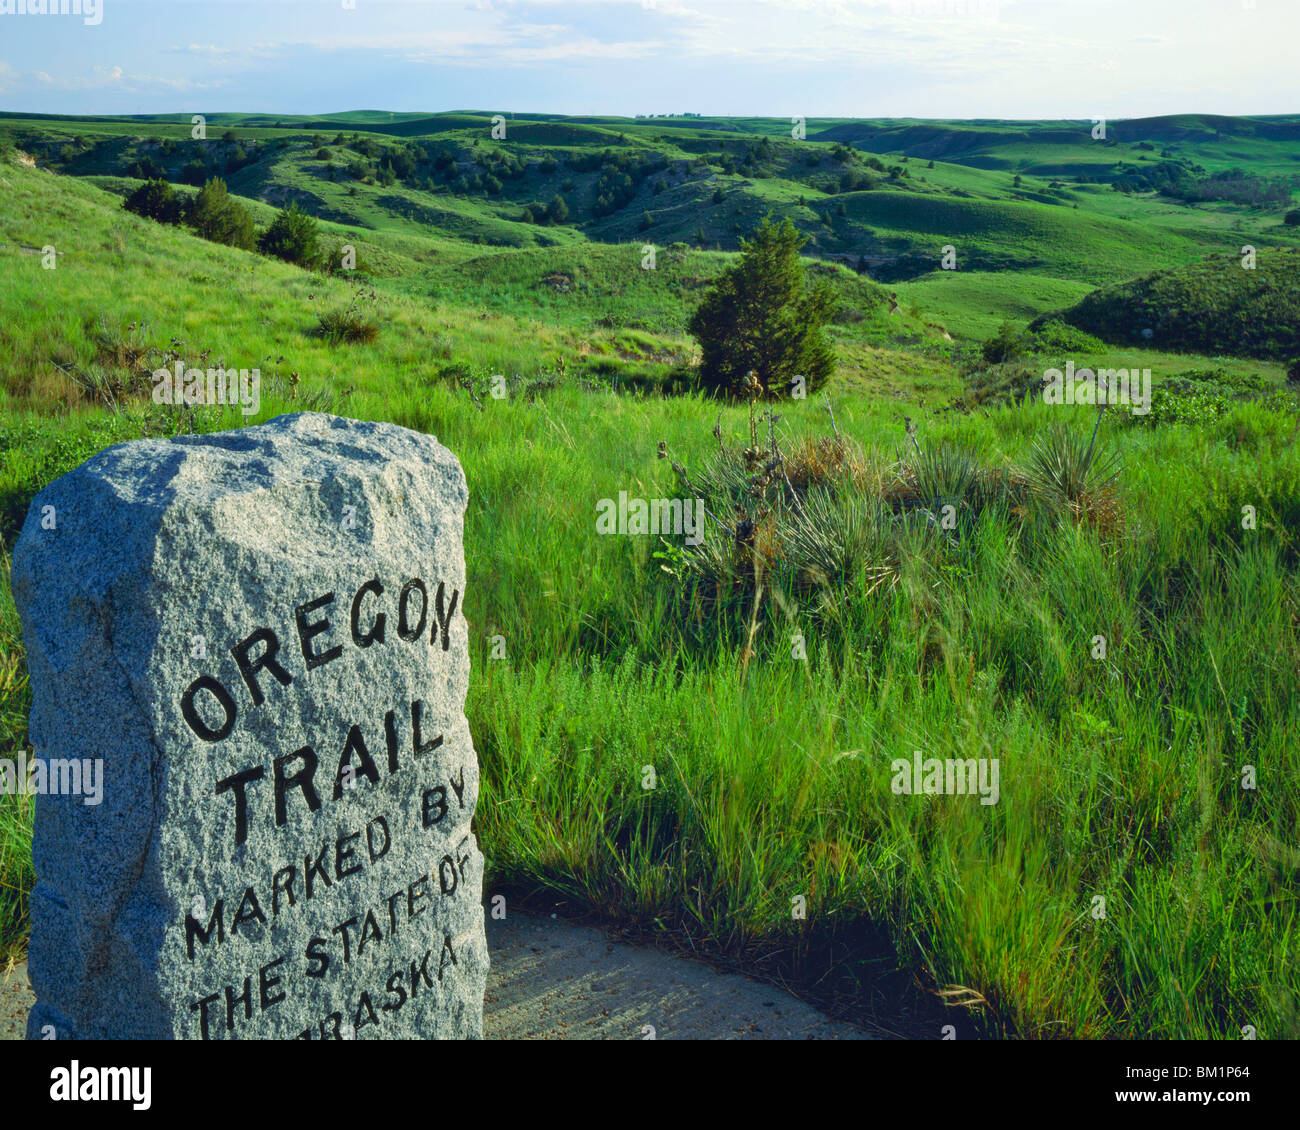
point(1077, 59)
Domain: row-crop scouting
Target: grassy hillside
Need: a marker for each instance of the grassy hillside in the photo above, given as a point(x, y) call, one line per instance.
point(1032, 199)
point(1121, 769)
point(1217, 306)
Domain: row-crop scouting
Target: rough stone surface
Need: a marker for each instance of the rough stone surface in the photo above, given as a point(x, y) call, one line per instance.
point(164, 558)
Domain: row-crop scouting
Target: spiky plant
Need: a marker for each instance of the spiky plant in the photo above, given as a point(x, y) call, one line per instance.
point(1065, 466)
point(944, 476)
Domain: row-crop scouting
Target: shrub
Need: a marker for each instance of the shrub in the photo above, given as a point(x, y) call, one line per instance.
point(145, 169)
point(216, 216)
point(293, 236)
point(339, 326)
point(331, 262)
point(759, 318)
point(818, 518)
point(155, 200)
point(350, 324)
point(1293, 371)
point(1292, 219)
point(1012, 383)
point(1054, 335)
point(1005, 345)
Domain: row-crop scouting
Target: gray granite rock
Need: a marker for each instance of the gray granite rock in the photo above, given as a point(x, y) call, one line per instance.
point(258, 635)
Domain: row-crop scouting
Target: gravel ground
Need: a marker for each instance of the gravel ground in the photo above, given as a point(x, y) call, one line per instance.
point(556, 980)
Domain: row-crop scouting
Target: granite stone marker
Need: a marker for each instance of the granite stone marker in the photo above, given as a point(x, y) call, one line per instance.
point(258, 635)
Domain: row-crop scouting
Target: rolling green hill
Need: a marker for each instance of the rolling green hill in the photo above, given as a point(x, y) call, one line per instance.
point(1215, 306)
point(1038, 213)
point(1121, 771)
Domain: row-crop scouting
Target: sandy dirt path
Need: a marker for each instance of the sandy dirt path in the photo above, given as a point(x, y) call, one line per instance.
point(556, 980)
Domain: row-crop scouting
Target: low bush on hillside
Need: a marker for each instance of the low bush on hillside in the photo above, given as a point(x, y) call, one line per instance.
point(1198, 397)
point(1195, 396)
point(339, 260)
point(1009, 383)
point(156, 200)
point(1057, 336)
point(351, 325)
point(293, 236)
point(1007, 344)
point(215, 215)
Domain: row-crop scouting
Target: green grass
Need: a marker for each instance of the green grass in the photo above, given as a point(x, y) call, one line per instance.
point(1120, 776)
point(974, 303)
point(16, 872)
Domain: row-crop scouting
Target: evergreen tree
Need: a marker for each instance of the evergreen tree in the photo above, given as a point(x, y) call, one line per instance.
point(293, 237)
point(760, 317)
point(155, 200)
point(215, 216)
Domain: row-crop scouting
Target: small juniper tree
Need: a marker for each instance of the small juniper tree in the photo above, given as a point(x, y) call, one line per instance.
point(293, 237)
point(155, 200)
point(1005, 345)
point(216, 216)
point(760, 317)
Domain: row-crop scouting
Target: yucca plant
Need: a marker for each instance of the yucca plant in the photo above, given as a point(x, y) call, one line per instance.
point(1064, 464)
point(944, 476)
point(829, 537)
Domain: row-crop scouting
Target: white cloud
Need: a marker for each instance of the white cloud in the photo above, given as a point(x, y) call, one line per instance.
point(102, 77)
